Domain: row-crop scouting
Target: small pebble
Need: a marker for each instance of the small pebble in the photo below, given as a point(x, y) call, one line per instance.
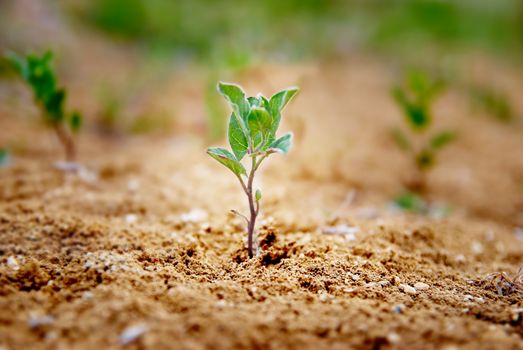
point(468, 298)
point(421, 286)
point(195, 215)
point(133, 185)
point(393, 338)
point(13, 263)
point(38, 321)
point(460, 258)
point(87, 295)
point(408, 289)
point(132, 333)
point(131, 218)
point(477, 247)
point(354, 276)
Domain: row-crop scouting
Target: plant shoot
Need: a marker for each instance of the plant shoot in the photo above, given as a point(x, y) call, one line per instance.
point(252, 135)
point(415, 98)
point(38, 73)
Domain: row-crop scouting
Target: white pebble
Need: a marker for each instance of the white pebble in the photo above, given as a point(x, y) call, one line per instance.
point(37, 321)
point(460, 258)
point(477, 247)
point(421, 286)
point(133, 185)
point(393, 338)
point(340, 230)
point(13, 263)
point(132, 333)
point(408, 289)
point(131, 218)
point(194, 215)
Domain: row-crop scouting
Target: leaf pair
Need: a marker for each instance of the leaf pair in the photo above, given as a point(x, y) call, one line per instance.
point(425, 157)
point(254, 120)
point(415, 98)
point(252, 125)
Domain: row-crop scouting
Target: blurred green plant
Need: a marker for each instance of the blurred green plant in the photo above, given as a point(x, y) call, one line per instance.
point(415, 98)
point(494, 102)
point(111, 104)
point(252, 132)
point(149, 122)
point(295, 29)
point(38, 73)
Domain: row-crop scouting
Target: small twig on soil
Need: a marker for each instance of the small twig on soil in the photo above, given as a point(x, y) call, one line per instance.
point(503, 283)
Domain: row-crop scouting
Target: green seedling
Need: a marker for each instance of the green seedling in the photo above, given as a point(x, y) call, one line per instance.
point(494, 102)
point(252, 134)
point(422, 145)
point(39, 74)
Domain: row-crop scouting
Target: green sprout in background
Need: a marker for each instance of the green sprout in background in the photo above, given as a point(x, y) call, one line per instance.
point(38, 73)
point(494, 102)
point(252, 132)
point(415, 98)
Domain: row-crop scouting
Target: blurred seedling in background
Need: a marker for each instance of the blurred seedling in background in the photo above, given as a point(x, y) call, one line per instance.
point(252, 132)
point(38, 73)
point(419, 142)
point(494, 102)
point(111, 104)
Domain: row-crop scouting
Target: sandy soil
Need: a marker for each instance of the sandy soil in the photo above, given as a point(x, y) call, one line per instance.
point(148, 256)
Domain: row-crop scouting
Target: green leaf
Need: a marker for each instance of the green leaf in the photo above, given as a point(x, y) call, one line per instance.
point(277, 104)
point(55, 106)
point(236, 97)
point(442, 139)
point(416, 114)
point(237, 140)
point(411, 202)
point(260, 124)
point(75, 121)
point(227, 158)
point(280, 99)
point(282, 145)
point(19, 64)
point(258, 195)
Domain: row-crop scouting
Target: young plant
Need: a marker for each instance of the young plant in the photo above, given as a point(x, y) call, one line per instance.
point(252, 134)
point(415, 99)
point(39, 74)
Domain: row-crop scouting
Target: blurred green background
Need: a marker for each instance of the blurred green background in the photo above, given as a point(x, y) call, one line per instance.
point(149, 39)
point(240, 32)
